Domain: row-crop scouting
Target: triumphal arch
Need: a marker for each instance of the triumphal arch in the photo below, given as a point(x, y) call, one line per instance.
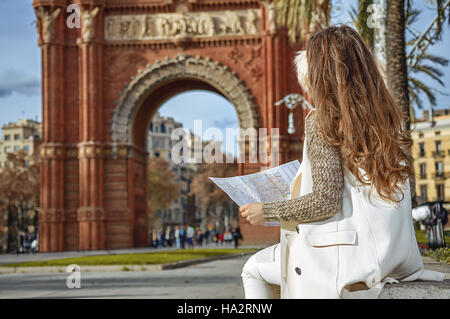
point(107, 65)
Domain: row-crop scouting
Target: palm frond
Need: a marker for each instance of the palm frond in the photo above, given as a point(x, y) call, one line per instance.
point(419, 86)
point(432, 72)
point(435, 59)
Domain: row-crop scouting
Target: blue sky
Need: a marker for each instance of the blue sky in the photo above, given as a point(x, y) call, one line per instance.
point(20, 71)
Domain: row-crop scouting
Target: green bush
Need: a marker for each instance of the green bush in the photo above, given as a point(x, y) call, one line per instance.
point(441, 254)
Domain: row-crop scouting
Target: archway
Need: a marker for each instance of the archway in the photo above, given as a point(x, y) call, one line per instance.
point(175, 75)
point(148, 91)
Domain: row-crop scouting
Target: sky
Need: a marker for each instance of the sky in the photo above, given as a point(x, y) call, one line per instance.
point(20, 71)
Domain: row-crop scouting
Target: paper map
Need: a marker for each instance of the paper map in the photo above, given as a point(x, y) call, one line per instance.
point(270, 185)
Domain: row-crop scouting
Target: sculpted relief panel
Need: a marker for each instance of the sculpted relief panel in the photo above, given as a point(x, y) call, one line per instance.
point(184, 24)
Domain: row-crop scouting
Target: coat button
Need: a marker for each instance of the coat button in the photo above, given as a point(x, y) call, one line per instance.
point(298, 270)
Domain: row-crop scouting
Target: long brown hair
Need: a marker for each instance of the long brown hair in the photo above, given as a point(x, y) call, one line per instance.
point(356, 112)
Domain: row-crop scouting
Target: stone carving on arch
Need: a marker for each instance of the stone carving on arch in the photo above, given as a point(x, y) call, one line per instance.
point(184, 67)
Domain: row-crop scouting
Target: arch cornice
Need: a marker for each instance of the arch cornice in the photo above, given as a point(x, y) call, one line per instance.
point(182, 66)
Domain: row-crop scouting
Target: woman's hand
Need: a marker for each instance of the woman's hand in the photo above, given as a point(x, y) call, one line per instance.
point(253, 213)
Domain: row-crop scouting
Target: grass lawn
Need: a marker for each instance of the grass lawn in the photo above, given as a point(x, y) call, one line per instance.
point(152, 258)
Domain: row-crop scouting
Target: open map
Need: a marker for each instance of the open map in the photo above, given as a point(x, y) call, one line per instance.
point(269, 185)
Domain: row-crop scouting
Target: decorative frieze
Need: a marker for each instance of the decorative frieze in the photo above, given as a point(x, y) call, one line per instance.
point(51, 215)
point(182, 24)
point(52, 151)
point(90, 214)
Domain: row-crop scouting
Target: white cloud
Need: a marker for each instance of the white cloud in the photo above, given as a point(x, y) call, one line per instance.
point(18, 81)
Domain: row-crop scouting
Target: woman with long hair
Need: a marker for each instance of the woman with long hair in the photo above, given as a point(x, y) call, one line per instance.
point(347, 228)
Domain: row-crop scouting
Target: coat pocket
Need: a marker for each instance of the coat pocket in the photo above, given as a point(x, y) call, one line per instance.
point(343, 237)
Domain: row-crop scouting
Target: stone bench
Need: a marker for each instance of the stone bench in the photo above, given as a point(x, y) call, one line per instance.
point(421, 289)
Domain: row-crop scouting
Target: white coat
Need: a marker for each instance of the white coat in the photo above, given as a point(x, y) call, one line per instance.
point(364, 242)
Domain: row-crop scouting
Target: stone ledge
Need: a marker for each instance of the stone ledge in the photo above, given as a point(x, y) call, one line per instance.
point(417, 290)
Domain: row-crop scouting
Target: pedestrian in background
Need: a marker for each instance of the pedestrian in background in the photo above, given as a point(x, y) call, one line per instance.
point(182, 236)
point(177, 237)
point(237, 236)
point(190, 236)
point(155, 238)
point(167, 236)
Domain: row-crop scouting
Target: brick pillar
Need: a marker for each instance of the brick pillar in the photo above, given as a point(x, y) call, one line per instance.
point(91, 215)
point(51, 214)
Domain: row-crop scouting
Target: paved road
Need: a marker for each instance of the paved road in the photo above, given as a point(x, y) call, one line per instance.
point(216, 279)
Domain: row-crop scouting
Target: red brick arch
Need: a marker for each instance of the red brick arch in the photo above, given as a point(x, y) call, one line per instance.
point(103, 82)
point(188, 69)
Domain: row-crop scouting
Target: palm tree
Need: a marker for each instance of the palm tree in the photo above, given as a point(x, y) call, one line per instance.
point(302, 16)
point(396, 66)
point(360, 17)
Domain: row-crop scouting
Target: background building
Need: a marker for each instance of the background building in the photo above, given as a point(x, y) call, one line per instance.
point(159, 144)
point(24, 135)
point(17, 224)
point(431, 153)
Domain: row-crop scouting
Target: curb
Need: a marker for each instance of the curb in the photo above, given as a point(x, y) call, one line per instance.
point(103, 268)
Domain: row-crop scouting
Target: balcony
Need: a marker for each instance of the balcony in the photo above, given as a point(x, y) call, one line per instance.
point(438, 154)
point(440, 175)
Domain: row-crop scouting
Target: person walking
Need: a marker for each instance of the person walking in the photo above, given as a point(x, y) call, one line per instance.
point(190, 236)
point(155, 238)
point(167, 236)
point(347, 229)
point(177, 237)
point(182, 236)
point(236, 236)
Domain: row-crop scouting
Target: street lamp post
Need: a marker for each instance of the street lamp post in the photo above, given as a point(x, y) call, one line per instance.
point(291, 101)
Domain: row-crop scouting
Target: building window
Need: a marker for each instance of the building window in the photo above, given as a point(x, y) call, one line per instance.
point(421, 149)
point(16, 137)
point(7, 137)
point(423, 170)
point(156, 128)
point(440, 192)
point(26, 148)
point(7, 149)
point(424, 192)
point(438, 147)
point(16, 148)
point(439, 169)
point(163, 128)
